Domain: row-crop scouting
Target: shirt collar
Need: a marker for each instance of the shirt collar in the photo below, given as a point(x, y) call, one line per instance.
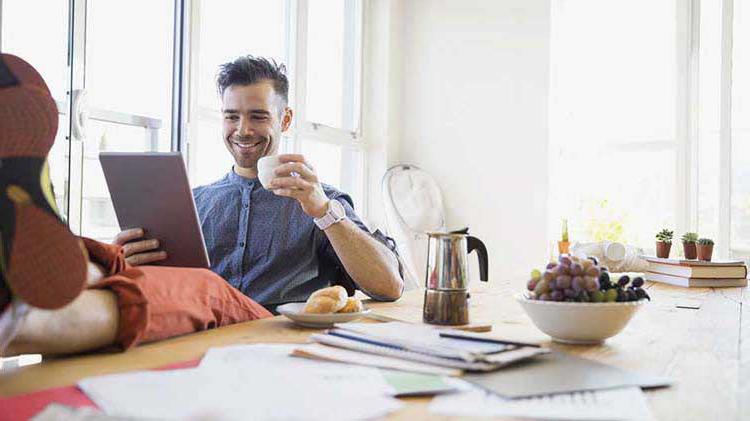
point(237, 179)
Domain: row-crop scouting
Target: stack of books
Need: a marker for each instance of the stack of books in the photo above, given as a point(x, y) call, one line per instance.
point(697, 273)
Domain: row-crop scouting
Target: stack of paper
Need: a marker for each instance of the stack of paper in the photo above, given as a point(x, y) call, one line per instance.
point(384, 382)
point(247, 382)
point(261, 381)
point(412, 347)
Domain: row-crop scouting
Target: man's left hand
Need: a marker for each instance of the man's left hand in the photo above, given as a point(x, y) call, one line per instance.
point(297, 179)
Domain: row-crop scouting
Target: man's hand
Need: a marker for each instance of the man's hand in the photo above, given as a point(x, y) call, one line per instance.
point(297, 179)
point(140, 252)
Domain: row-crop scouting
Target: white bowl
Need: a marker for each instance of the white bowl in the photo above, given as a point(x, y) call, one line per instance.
point(294, 312)
point(579, 323)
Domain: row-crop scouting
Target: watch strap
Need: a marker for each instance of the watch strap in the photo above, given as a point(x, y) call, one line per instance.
point(333, 215)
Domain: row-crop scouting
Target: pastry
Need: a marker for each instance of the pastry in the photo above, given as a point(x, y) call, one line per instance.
point(353, 305)
point(326, 300)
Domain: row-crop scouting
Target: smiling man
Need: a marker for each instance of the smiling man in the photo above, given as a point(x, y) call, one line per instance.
point(278, 245)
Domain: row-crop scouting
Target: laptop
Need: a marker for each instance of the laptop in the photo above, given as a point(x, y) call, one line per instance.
point(150, 190)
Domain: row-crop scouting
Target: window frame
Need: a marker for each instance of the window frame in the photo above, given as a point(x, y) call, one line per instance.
point(725, 247)
point(687, 136)
point(353, 171)
point(689, 16)
point(187, 112)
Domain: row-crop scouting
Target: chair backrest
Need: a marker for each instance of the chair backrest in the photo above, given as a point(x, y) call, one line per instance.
point(413, 206)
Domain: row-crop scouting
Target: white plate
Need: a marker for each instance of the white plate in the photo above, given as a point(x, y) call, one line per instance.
point(294, 312)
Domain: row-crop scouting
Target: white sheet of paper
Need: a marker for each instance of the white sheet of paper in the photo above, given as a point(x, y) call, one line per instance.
point(57, 412)
point(627, 403)
point(275, 360)
point(246, 382)
point(247, 354)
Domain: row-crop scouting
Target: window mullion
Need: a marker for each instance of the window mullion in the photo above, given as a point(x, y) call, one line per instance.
point(725, 131)
point(290, 32)
point(77, 86)
point(324, 134)
point(688, 59)
point(180, 73)
point(192, 112)
point(351, 65)
point(300, 69)
point(1, 23)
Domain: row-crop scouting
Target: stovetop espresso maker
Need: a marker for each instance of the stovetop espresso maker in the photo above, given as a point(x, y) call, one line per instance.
point(446, 297)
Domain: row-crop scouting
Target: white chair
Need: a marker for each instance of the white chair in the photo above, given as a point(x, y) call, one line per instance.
point(413, 206)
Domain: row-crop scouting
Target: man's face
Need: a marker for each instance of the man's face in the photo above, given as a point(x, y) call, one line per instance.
point(254, 118)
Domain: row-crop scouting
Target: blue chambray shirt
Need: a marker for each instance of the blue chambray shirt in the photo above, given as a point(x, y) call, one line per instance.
point(264, 244)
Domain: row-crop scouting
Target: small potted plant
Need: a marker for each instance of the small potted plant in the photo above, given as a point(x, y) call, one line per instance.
point(688, 245)
point(663, 243)
point(563, 246)
point(705, 249)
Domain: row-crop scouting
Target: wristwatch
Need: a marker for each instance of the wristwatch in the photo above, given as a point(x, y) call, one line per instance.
point(335, 214)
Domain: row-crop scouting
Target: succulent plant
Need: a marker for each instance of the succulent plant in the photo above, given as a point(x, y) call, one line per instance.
point(690, 237)
point(665, 236)
point(705, 241)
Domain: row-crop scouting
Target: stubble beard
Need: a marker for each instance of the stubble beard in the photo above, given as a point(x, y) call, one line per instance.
point(249, 158)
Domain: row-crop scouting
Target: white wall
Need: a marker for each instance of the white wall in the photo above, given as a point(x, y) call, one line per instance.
point(468, 85)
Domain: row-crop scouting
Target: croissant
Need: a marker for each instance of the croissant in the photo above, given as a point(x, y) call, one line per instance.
point(326, 300)
point(353, 305)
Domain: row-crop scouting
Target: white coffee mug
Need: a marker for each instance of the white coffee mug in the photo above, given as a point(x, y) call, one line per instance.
point(266, 165)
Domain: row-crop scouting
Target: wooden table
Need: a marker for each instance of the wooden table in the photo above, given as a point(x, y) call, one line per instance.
point(706, 351)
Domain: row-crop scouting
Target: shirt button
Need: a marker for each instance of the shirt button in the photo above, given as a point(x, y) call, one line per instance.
point(242, 244)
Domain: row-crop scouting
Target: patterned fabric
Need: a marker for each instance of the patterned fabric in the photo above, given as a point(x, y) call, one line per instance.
point(266, 246)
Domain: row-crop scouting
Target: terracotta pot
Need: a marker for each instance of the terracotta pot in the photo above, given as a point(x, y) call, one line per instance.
point(662, 249)
point(691, 253)
point(705, 252)
point(563, 247)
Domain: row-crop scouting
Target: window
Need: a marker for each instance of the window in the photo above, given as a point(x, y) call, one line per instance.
point(111, 67)
point(648, 127)
point(129, 104)
point(328, 92)
point(740, 131)
point(319, 41)
point(613, 138)
point(709, 119)
point(332, 63)
point(219, 37)
point(121, 104)
point(47, 51)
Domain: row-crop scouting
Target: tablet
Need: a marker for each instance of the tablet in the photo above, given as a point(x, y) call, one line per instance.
point(150, 190)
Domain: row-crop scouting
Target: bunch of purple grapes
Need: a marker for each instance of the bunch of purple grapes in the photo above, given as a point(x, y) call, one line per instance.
point(574, 279)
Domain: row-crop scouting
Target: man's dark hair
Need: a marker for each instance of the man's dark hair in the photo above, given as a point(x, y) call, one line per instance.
point(247, 70)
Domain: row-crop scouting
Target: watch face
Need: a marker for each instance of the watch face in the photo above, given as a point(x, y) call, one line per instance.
point(336, 209)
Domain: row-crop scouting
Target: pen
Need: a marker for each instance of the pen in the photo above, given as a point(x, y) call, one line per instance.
point(489, 340)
